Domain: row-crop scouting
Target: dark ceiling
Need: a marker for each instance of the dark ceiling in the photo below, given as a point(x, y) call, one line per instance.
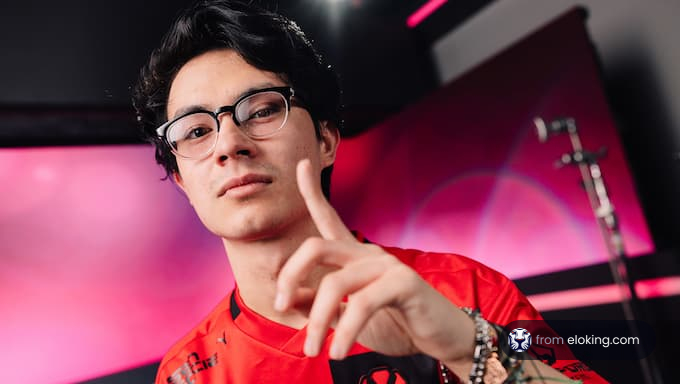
point(67, 67)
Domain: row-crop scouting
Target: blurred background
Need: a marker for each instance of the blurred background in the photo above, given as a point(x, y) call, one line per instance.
point(103, 265)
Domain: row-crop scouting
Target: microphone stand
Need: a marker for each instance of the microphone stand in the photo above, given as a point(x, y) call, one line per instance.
point(607, 220)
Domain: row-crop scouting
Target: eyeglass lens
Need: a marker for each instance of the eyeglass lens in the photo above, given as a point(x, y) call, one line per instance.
point(259, 115)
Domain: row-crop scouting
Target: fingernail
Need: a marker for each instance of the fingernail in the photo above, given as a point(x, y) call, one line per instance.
point(310, 347)
point(280, 302)
point(335, 352)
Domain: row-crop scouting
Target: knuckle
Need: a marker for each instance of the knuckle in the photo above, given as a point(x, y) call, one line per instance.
point(285, 277)
point(360, 303)
point(314, 245)
point(331, 283)
point(380, 254)
point(407, 277)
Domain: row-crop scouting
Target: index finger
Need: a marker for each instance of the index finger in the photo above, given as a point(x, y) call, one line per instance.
point(325, 217)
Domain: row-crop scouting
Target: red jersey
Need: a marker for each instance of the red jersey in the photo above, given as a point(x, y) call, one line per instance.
point(233, 344)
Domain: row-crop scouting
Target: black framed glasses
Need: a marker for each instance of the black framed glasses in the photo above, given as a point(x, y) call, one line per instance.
point(258, 114)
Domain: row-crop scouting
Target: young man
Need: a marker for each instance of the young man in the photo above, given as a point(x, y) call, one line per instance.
point(245, 118)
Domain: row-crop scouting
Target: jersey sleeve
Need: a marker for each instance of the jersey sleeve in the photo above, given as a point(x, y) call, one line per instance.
point(511, 305)
point(468, 283)
point(163, 376)
point(191, 358)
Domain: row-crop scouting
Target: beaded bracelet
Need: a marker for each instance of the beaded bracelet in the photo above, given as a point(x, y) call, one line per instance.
point(486, 356)
point(483, 346)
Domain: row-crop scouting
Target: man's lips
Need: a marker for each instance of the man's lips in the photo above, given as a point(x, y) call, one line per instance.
point(243, 180)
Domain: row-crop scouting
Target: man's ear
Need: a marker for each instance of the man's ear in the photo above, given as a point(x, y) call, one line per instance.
point(177, 178)
point(328, 142)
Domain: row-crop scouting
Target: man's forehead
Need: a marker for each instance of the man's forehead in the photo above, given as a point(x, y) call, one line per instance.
point(179, 109)
point(214, 79)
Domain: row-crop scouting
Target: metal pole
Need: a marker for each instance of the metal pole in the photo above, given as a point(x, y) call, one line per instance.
point(607, 220)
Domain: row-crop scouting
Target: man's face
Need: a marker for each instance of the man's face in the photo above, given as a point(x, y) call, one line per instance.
point(263, 200)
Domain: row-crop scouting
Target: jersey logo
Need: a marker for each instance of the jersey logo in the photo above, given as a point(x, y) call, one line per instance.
point(186, 372)
point(383, 375)
point(222, 339)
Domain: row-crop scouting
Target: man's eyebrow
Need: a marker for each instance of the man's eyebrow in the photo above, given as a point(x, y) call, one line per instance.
point(257, 87)
point(199, 107)
point(188, 109)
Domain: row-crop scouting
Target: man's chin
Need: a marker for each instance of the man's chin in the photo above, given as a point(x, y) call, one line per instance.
point(250, 231)
point(257, 223)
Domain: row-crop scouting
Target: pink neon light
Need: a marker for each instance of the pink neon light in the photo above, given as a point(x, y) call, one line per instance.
point(423, 12)
point(604, 294)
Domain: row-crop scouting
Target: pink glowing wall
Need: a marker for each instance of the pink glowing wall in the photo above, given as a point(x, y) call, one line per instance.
point(103, 265)
point(463, 171)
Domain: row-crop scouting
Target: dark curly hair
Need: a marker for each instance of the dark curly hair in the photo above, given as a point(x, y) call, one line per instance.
point(265, 40)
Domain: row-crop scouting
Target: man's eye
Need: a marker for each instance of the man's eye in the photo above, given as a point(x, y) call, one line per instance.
point(197, 132)
point(261, 114)
point(264, 113)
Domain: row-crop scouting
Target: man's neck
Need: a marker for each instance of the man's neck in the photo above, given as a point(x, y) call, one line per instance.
point(256, 265)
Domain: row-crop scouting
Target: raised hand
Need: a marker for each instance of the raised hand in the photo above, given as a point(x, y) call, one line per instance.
point(389, 307)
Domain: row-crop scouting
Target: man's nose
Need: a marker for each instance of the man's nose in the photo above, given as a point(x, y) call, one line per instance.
point(232, 142)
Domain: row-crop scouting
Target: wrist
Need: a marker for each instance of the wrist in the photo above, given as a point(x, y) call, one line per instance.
point(462, 344)
point(471, 365)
